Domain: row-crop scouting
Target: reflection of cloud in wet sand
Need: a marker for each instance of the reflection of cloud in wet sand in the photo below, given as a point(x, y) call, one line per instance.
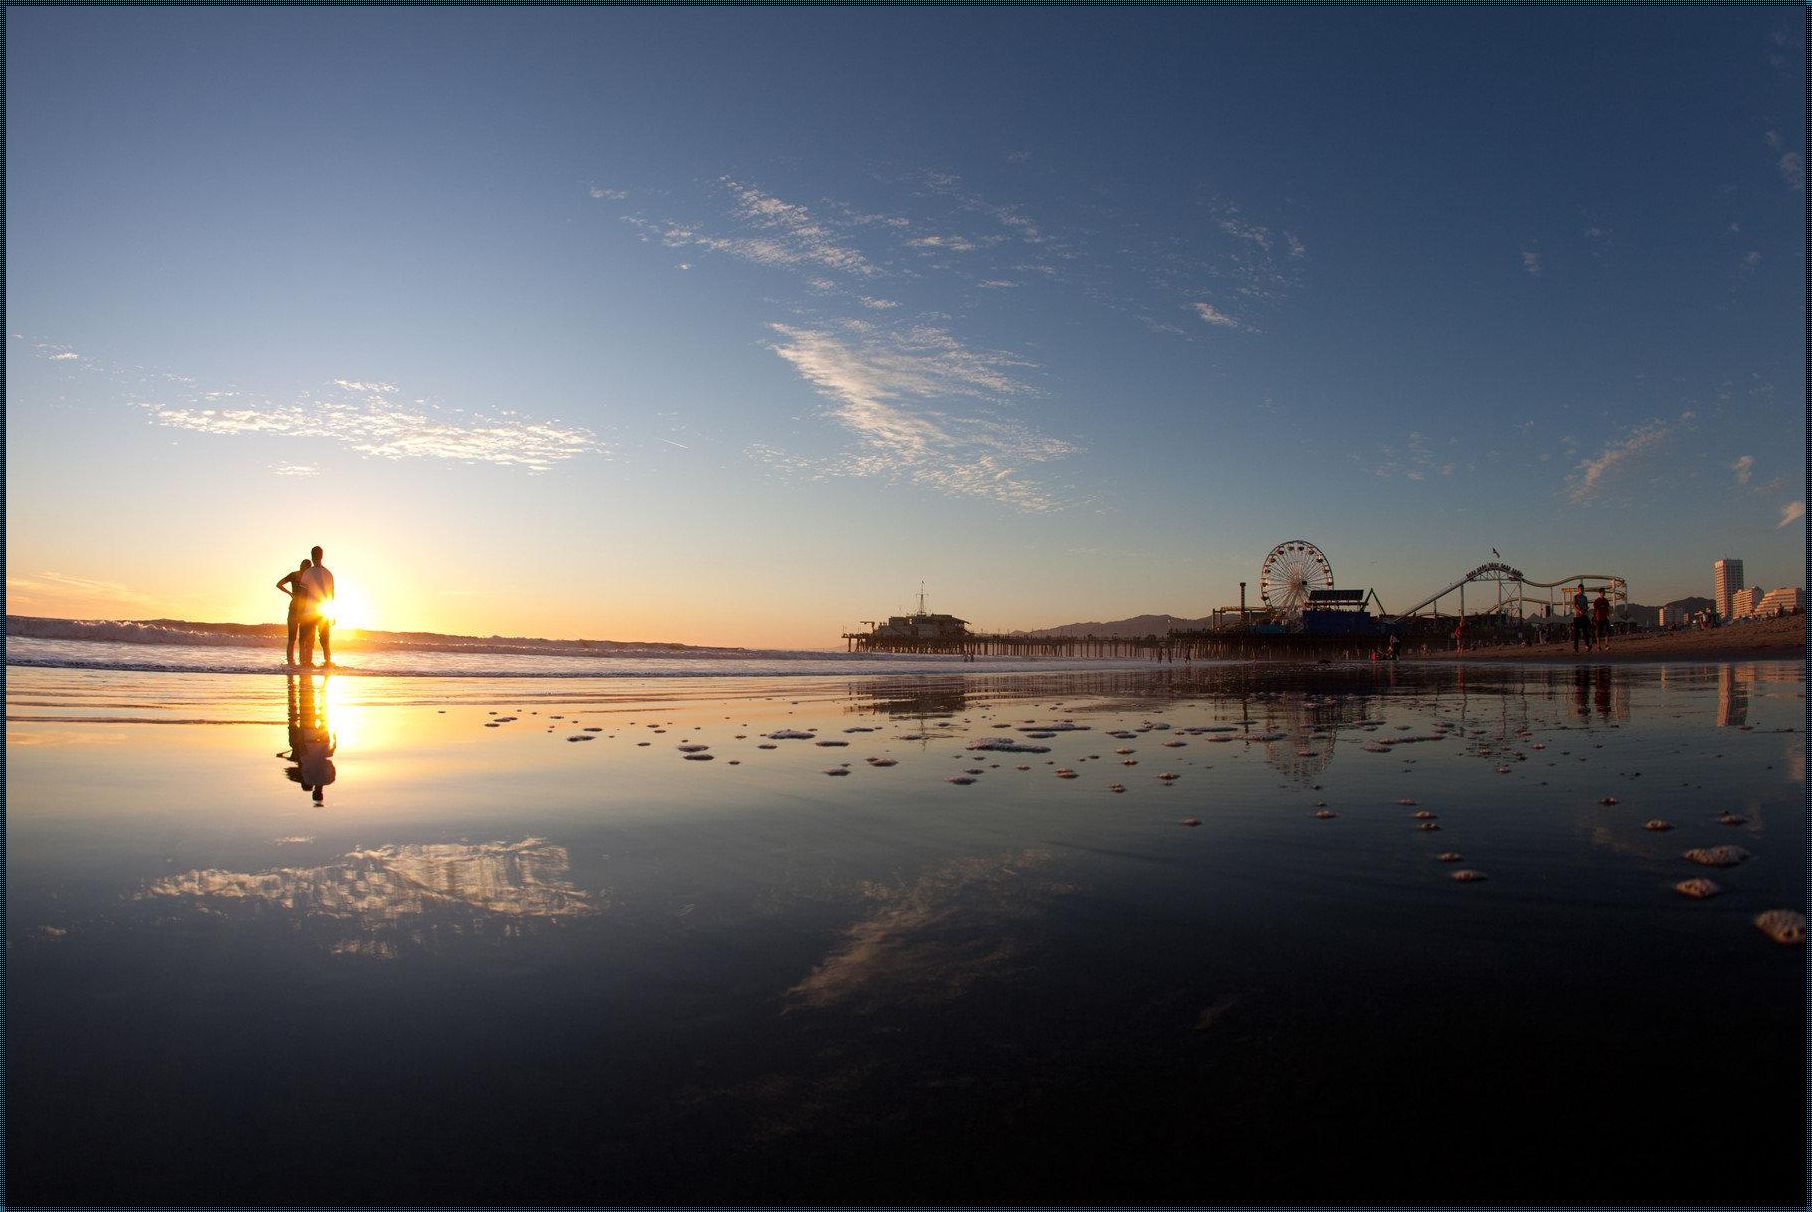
point(928, 941)
point(394, 884)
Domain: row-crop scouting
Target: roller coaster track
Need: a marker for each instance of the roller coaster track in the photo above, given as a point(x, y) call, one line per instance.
point(1503, 573)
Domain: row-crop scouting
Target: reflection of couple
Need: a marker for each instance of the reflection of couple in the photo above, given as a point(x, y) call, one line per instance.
point(310, 590)
point(311, 742)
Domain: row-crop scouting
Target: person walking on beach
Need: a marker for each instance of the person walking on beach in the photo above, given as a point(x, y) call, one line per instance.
point(317, 582)
point(1601, 616)
point(1582, 620)
point(291, 583)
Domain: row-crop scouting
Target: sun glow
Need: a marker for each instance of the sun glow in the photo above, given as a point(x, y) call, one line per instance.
point(349, 610)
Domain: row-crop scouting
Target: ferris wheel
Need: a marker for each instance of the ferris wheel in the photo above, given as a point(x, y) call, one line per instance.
point(1289, 573)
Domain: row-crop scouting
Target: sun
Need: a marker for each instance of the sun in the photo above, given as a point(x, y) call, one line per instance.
point(349, 610)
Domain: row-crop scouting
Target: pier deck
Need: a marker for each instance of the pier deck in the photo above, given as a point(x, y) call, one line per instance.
point(1175, 646)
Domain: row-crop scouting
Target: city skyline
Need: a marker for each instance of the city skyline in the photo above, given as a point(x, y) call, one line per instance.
point(722, 327)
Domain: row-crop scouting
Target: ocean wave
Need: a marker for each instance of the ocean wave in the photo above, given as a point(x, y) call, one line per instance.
point(180, 632)
point(114, 656)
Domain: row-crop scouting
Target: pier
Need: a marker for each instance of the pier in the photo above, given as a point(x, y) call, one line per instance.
point(1174, 646)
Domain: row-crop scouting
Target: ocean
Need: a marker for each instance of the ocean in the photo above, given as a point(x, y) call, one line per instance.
point(174, 647)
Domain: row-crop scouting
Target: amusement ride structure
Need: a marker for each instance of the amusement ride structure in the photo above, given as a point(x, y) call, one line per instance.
point(1296, 586)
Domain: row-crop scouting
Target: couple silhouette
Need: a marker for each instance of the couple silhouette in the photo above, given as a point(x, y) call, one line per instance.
point(310, 590)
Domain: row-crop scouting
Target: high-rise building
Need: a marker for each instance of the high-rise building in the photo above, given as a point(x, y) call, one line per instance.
point(1743, 601)
point(1727, 576)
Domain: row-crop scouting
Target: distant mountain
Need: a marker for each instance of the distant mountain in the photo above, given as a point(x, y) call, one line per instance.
point(1133, 628)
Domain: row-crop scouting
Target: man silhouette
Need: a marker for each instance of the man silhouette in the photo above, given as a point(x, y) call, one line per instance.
point(317, 582)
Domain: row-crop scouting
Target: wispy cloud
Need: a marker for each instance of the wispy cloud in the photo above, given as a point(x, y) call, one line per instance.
point(372, 422)
point(1742, 467)
point(895, 392)
point(1593, 474)
point(1413, 460)
point(951, 243)
point(1792, 168)
point(60, 594)
point(1532, 262)
point(295, 469)
point(877, 304)
point(764, 230)
point(609, 195)
point(1791, 512)
point(1211, 314)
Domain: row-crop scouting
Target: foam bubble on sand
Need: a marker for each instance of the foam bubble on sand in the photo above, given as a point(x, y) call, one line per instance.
point(493, 725)
point(1006, 744)
point(594, 730)
point(858, 729)
point(1022, 767)
point(1467, 876)
point(836, 770)
point(1407, 803)
point(1123, 752)
point(1130, 762)
point(961, 780)
point(1657, 825)
point(1175, 744)
point(1608, 800)
point(581, 736)
point(1731, 818)
point(767, 746)
point(1169, 777)
point(699, 757)
point(1324, 814)
point(1698, 888)
point(1718, 856)
point(1066, 774)
point(692, 748)
point(1115, 788)
point(1782, 925)
point(1423, 815)
point(1060, 726)
point(788, 734)
point(1429, 827)
point(1190, 822)
point(643, 744)
point(1451, 856)
point(832, 744)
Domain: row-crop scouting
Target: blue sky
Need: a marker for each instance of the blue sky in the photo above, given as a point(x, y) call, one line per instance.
point(732, 326)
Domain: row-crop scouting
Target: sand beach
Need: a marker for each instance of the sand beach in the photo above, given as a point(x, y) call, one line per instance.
point(953, 938)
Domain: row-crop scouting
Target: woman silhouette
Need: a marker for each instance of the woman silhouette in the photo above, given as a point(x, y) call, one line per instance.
point(298, 609)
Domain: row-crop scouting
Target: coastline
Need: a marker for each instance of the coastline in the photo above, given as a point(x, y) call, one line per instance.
point(1767, 640)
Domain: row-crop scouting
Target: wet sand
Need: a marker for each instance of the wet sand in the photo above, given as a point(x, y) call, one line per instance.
point(1218, 936)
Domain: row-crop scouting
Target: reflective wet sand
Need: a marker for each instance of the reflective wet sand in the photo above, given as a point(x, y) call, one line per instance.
point(375, 941)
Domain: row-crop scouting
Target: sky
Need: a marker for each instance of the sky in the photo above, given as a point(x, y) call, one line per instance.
point(729, 326)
